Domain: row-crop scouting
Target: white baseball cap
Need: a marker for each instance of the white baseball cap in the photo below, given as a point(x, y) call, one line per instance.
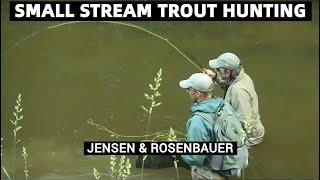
point(199, 81)
point(226, 60)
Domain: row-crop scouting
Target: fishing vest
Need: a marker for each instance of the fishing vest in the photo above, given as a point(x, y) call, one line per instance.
point(227, 128)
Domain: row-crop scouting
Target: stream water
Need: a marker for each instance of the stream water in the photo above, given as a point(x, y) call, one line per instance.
point(100, 71)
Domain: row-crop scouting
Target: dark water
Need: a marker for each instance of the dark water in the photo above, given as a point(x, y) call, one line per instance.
point(100, 71)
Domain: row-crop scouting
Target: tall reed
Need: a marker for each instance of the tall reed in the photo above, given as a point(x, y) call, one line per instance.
point(16, 128)
point(154, 88)
point(25, 158)
point(96, 174)
point(172, 137)
point(2, 166)
point(121, 169)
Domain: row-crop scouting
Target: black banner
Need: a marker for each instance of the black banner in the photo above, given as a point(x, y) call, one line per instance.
point(161, 11)
point(159, 148)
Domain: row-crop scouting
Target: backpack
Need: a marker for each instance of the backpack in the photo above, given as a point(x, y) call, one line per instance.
point(227, 127)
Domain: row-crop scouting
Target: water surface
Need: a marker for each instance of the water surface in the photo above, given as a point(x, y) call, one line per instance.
point(100, 71)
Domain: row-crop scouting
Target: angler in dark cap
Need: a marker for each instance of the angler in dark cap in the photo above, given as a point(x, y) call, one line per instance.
point(239, 92)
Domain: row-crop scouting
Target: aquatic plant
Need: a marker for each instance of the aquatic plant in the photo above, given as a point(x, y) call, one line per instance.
point(96, 174)
point(243, 176)
point(124, 167)
point(142, 166)
point(173, 138)
point(16, 127)
point(25, 158)
point(152, 97)
point(1, 148)
point(247, 127)
point(2, 167)
point(153, 103)
point(121, 169)
point(248, 122)
point(17, 113)
point(113, 166)
point(6, 173)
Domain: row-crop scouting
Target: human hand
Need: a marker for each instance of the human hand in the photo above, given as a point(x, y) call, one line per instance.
point(209, 72)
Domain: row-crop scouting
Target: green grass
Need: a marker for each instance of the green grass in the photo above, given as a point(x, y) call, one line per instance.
point(17, 113)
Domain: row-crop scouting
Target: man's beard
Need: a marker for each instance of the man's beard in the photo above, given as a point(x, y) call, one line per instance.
point(222, 82)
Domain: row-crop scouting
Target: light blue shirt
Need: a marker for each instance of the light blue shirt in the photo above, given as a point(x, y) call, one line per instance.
point(199, 129)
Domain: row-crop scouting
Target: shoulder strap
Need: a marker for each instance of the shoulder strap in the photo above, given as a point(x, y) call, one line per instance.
point(207, 116)
point(210, 116)
point(221, 105)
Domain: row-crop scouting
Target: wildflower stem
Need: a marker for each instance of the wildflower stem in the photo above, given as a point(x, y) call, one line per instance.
point(96, 174)
point(25, 158)
point(14, 156)
point(16, 128)
point(176, 167)
point(142, 167)
point(243, 177)
point(149, 120)
point(6, 173)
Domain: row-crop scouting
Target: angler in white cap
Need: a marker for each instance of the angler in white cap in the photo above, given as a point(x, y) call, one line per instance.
point(210, 117)
point(199, 86)
point(239, 92)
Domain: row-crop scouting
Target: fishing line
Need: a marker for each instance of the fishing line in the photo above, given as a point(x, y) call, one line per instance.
point(192, 60)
